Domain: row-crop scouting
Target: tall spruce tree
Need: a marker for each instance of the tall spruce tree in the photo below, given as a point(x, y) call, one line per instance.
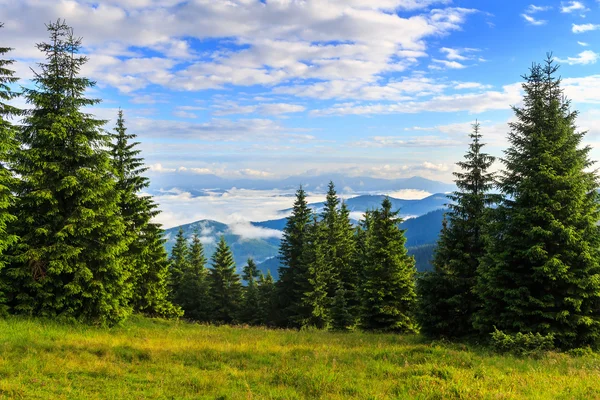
point(8, 147)
point(179, 261)
point(542, 271)
point(347, 265)
point(69, 260)
point(388, 292)
point(251, 313)
point(316, 302)
point(225, 285)
point(447, 294)
point(192, 292)
point(147, 262)
point(293, 273)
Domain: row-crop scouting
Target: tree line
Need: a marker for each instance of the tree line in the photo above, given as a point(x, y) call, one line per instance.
point(519, 251)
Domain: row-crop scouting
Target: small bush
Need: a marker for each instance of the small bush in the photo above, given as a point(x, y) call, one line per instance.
point(521, 344)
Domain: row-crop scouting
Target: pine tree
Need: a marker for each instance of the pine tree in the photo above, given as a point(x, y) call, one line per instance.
point(225, 285)
point(332, 236)
point(69, 260)
point(251, 313)
point(315, 301)
point(179, 261)
point(542, 271)
point(8, 147)
point(266, 299)
point(346, 257)
point(147, 262)
point(192, 292)
point(447, 294)
point(388, 292)
point(293, 281)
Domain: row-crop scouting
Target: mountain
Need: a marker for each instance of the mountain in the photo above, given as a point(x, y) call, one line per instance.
point(408, 208)
point(195, 183)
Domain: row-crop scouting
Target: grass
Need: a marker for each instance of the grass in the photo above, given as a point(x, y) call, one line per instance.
point(153, 359)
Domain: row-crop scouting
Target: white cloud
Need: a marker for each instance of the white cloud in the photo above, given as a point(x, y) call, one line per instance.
point(450, 64)
point(583, 58)
point(584, 44)
point(531, 20)
point(532, 9)
point(248, 231)
point(273, 109)
point(585, 28)
point(583, 90)
point(572, 6)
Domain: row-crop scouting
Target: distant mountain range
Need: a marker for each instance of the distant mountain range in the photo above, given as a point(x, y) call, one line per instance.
point(421, 232)
point(196, 184)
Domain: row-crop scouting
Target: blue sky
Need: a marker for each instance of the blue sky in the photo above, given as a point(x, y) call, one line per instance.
point(272, 88)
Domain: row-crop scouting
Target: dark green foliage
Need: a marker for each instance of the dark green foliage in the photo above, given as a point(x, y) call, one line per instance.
point(423, 256)
point(315, 300)
point(251, 312)
point(179, 261)
point(69, 260)
point(541, 273)
point(293, 273)
point(447, 294)
point(266, 299)
point(342, 318)
point(192, 291)
point(146, 260)
point(225, 285)
point(388, 290)
point(7, 148)
point(521, 344)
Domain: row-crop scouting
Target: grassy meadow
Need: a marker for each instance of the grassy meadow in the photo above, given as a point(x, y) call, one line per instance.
point(154, 359)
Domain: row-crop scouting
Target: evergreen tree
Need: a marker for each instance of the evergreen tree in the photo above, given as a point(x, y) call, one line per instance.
point(542, 271)
point(225, 285)
point(315, 300)
point(347, 265)
point(192, 292)
point(179, 261)
point(251, 313)
point(147, 262)
point(388, 292)
point(341, 316)
point(447, 294)
point(8, 147)
point(293, 280)
point(69, 261)
point(266, 299)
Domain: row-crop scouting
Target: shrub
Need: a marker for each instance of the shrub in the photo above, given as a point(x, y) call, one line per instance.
point(521, 344)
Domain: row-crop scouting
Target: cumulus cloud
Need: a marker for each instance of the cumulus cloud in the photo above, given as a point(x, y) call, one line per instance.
point(585, 28)
point(583, 58)
point(533, 21)
point(572, 6)
point(248, 231)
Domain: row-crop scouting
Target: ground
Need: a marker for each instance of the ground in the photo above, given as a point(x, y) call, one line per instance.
point(154, 359)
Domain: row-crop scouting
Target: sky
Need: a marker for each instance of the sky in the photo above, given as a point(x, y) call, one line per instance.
point(273, 88)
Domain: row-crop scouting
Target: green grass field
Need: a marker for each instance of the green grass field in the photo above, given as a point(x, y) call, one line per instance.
point(149, 359)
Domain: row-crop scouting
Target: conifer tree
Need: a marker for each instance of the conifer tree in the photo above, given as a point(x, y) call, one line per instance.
point(388, 292)
point(447, 294)
point(342, 318)
point(69, 260)
point(315, 301)
point(147, 261)
point(542, 271)
point(347, 265)
point(192, 292)
point(293, 280)
point(179, 261)
point(8, 147)
point(225, 285)
point(251, 313)
point(266, 299)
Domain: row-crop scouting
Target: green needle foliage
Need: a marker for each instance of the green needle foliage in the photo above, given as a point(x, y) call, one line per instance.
point(8, 146)
point(388, 292)
point(192, 292)
point(541, 273)
point(251, 312)
point(266, 299)
point(147, 261)
point(69, 261)
point(179, 261)
point(315, 300)
point(447, 294)
point(225, 285)
point(293, 273)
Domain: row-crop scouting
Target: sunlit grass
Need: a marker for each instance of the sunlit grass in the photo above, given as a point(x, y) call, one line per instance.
point(147, 359)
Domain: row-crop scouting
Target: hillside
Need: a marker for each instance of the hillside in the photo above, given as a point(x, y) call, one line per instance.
point(154, 359)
